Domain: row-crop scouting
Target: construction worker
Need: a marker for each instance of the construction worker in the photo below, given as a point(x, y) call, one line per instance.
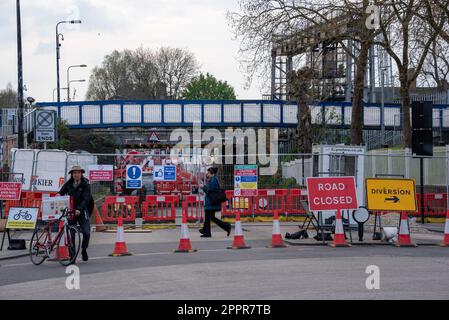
point(78, 188)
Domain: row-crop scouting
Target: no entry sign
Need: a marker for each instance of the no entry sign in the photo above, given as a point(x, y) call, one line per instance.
point(331, 194)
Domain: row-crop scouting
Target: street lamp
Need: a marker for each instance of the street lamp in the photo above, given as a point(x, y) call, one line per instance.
point(58, 45)
point(54, 91)
point(68, 78)
point(68, 88)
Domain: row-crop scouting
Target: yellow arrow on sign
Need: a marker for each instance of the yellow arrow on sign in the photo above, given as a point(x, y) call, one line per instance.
point(391, 195)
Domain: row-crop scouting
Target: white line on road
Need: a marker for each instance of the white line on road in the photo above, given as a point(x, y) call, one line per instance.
point(142, 255)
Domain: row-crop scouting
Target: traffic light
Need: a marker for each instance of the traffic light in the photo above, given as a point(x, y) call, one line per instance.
point(422, 124)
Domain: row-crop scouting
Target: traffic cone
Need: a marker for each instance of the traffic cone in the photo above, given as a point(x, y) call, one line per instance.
point(239, 241)
point(62, 253)
point(99, 226)
point(276, 238)
point(120, 248)
point(445, 242)
point(339, 237)
point(404, 239)
point(184, 243)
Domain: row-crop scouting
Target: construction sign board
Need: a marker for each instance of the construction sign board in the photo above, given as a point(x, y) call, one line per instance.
point(22, 218)
point(245, 180)
point(391, 195)
point(10, 190)
point(101, 173)
point(331, 194)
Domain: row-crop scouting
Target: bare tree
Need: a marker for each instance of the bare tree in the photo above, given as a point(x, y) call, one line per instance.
point(436, 10)
point(8, 97)
point(176, 68)
point(340, 20)
point(436, 67)
point(401, 39)
point(142, 74)
point(302, 86)
point(113, 78)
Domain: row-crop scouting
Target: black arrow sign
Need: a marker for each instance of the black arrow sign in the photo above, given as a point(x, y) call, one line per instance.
point(394, 199)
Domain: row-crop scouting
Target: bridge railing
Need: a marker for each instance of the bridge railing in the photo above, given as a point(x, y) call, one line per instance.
point(241, 113)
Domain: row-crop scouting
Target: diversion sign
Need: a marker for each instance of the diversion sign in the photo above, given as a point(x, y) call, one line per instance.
point(391, 195)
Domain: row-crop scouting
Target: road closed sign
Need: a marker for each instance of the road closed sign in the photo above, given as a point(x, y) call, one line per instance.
point(391, 195)
point(331, 194)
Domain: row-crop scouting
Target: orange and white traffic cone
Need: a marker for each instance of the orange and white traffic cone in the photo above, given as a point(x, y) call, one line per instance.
point(185, 246)
point(99, 226)
point(445, 242)
point(239, 240)
point(339, 237)
point(404, 239)
point(62, 253)
point(120, 248)
point(276, 238)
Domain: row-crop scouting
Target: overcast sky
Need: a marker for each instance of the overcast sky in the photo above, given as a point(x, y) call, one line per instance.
point(197, 25)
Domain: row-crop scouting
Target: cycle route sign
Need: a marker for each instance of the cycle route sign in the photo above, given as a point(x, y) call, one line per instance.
point(22, 218)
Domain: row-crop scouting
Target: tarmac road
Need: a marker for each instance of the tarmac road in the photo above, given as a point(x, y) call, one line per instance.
point(214, 272)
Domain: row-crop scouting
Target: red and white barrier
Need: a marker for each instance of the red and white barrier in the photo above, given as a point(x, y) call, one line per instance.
point(184, 243)
point(120, 248)
point(239, 239)
point(276, 238)
point(404, 238)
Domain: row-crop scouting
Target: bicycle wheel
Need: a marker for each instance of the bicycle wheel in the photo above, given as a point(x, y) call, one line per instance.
point(72, 242)
point(38, 246)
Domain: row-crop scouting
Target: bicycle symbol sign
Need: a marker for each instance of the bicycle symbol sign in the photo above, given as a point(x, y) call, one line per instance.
point(22, 218)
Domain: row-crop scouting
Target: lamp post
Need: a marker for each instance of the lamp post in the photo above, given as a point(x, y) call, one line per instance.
point(68, 78)
point(70, 82)
point(20, 78)
point(58, 56)
point(54, 91)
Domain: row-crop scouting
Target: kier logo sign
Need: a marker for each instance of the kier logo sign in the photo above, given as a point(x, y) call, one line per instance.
point(330, 194)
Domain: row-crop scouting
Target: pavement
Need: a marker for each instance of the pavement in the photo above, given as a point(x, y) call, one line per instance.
point(214, 272)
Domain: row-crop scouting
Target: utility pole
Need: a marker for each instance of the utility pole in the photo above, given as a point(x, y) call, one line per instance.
point(20, 78)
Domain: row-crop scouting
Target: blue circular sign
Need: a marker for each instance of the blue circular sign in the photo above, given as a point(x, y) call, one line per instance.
point(134, 173)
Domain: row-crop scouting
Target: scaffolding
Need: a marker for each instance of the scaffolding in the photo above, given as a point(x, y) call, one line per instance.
point(329, 49)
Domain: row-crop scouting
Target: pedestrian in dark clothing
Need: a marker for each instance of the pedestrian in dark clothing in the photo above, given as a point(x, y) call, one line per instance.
point(78, 188)
point(211, 186)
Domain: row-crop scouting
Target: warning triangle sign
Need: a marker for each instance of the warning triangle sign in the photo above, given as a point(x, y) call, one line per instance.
point(153, 137)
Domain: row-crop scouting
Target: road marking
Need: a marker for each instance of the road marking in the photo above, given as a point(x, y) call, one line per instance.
point(147, 255)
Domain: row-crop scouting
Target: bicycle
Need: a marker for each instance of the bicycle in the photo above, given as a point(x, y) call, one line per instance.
point(42, 245)
point(24, 215)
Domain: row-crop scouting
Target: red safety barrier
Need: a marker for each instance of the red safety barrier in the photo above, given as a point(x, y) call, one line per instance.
point(159, 209)
point(268, 201)
point(185, 187)
point(28, 199)
point(194, 208)
point(115, 207)
point(435, 205)
point(237, 204)
point(165, 188)
point(293, 205)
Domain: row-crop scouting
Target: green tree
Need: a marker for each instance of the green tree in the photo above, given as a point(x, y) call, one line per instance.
point(87, 140)
point(207, 87)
